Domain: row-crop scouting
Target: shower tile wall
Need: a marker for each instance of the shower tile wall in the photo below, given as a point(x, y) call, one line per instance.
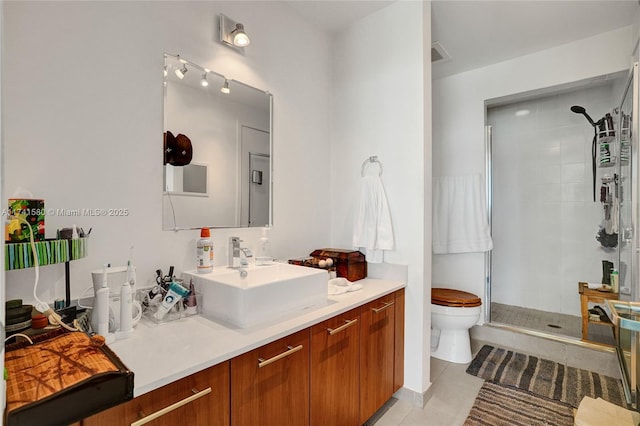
point(544, 217)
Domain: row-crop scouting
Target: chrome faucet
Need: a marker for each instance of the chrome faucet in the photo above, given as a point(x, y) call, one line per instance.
point(235, 252)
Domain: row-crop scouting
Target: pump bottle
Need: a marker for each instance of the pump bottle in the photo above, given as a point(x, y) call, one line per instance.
point(264, 248)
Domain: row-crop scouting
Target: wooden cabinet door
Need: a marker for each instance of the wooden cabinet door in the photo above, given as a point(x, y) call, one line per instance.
point(270, 385)
point(376, 355)
point(335, 374)
point(199, 399)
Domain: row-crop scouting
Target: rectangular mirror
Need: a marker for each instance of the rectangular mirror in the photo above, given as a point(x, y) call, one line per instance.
point(217, 150)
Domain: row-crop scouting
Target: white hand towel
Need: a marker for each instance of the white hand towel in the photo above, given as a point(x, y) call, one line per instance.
point(460, 223)
point(333, 289)
point(373, 231)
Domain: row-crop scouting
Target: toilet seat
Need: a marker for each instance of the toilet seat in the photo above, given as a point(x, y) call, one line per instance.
point(454, 298)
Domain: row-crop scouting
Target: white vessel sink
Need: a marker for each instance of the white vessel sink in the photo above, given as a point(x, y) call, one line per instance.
point(266, 292)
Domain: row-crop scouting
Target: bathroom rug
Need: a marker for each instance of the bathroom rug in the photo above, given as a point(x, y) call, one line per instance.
point(498, 405)
point(544, 377)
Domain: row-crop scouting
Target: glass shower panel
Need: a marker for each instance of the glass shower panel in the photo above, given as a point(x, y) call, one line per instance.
point(624, 185)
point(627, 193)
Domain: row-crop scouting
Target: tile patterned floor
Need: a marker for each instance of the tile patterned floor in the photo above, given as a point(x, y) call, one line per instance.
point(452, 394)
point(549, 322)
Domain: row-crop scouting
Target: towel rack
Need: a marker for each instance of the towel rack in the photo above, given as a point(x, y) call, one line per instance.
point(372, 159)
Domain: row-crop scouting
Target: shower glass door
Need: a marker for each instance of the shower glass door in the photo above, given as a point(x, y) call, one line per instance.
point(628, 236)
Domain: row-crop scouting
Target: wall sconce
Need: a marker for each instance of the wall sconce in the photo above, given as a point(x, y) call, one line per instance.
point(232, 33)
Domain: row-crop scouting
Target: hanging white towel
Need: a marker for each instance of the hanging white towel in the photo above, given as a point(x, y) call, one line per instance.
point(460, 223)
point(373, 231)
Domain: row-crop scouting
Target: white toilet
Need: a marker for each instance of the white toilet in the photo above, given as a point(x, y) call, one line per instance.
point(453, 313)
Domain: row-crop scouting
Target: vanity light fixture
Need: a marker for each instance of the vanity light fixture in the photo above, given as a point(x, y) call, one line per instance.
point(232, 33)
point(225, 87)
point(204, 82)
point(180, 72)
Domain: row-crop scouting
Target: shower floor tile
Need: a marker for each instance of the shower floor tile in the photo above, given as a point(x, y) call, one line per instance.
point(549, 322)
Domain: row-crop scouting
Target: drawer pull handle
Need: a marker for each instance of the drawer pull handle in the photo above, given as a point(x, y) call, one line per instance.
point(171, 407)
point(347, 324)
point(290, 349)
point(383, 307)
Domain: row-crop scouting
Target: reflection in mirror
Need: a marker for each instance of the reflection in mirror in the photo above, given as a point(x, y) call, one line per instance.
point(226, 181)
point(186, 180)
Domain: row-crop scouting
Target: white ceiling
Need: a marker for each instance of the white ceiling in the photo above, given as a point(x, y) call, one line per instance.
point(333, 15)
point(479, 33)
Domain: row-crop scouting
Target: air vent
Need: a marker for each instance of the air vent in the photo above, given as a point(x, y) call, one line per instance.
point(438, 54)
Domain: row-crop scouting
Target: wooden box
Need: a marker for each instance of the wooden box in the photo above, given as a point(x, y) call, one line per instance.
point(350, 264)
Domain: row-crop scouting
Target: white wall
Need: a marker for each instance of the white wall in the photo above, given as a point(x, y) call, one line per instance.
point(83, 99)
point(381, 107)
point(459, 118)
point(544, 217)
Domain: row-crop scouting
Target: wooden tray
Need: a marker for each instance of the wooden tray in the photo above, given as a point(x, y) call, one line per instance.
point(62, 380)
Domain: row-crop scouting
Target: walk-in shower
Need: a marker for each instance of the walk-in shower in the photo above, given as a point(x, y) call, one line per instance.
point(545, 207)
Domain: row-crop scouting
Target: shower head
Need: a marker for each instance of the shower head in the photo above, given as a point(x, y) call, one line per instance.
point(580, 110)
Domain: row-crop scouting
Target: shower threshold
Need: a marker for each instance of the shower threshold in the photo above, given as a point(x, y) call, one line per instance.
point(556, 326)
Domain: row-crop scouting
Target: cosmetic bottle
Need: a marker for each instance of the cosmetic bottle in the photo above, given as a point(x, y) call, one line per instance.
point(205, 252)
point(614, 281)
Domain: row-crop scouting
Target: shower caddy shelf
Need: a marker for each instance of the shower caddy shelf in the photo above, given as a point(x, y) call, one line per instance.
point(50, 252)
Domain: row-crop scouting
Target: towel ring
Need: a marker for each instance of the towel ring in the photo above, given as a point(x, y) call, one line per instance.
point(372, 159)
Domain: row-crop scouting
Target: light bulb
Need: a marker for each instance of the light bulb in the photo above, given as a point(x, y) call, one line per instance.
point(225, 88)
point(240, 38)
point(181, 72)
point(204, 82)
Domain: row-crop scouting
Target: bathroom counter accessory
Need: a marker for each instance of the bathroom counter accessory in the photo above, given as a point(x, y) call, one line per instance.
point(199, 343)
point(76, 379)
point(50, 252)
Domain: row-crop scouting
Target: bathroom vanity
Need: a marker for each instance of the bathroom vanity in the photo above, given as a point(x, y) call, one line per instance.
point(340, 361)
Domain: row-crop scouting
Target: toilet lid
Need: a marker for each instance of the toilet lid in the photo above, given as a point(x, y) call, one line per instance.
point(455, 298)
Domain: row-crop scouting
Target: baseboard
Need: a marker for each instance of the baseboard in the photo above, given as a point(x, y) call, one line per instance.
point(417, 399)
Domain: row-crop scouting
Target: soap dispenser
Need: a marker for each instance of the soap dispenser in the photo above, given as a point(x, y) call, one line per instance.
point(264, 248)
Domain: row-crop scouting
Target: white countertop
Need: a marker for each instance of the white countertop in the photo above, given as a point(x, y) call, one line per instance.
point(159, 354)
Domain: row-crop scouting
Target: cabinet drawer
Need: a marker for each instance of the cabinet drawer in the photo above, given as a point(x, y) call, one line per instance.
point(270, 385)
point(335, 374)
point(199, 399)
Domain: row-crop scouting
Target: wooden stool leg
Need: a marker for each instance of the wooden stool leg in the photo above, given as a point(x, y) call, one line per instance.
point(584, 309)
